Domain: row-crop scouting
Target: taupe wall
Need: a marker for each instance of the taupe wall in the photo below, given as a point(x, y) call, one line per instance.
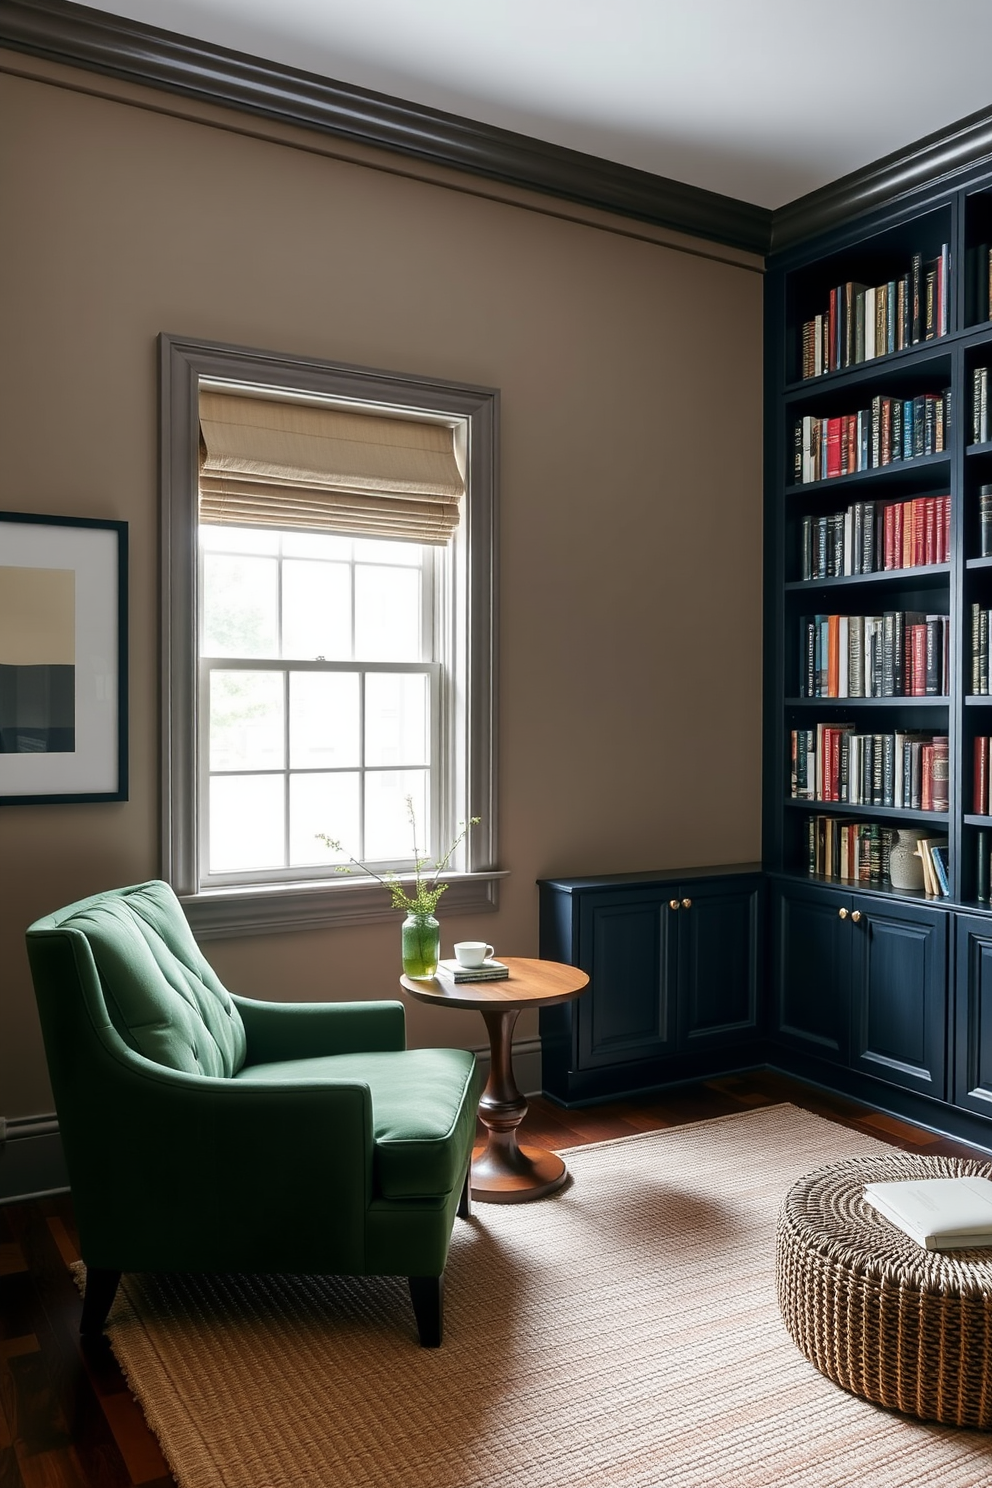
point(630, 548)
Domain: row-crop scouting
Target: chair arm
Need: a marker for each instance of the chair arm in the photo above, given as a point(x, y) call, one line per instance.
point(209, 1173)
point(307, 1030)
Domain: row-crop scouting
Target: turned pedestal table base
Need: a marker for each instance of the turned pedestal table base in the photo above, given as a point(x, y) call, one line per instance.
point(504, 1172)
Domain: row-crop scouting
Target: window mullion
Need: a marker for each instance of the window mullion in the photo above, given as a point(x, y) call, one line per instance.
point(286, 762)
point(362, 774)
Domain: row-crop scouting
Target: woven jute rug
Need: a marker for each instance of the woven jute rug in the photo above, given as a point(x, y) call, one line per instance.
point(624, 1331)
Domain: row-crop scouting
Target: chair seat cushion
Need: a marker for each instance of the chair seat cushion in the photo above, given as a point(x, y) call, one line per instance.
point(423, 1111)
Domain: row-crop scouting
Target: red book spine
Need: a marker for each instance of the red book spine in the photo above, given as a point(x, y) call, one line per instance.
point(980, 804)
point(926, 778)
point(909, 528)
point(832, 332)
point(918, 653)
point(825, 767)
point(946, 527)
point(889, 540)
point(833, 447)
point(898, 534)
point(919, 525)
point(930, 530)
point(833, 655)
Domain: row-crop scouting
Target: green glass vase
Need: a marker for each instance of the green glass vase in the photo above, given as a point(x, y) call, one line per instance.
point(421, 935)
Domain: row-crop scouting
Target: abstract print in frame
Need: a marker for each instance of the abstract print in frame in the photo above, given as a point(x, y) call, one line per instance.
point(63, 659)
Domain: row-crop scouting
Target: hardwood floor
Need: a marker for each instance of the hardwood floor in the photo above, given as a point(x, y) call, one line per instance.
point(67, 1419)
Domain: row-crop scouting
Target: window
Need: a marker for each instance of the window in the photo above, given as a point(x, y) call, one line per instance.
point(322, 665)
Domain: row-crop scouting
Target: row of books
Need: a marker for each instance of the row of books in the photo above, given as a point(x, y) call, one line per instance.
point(859, 853)
point(890, 430)
point(861, 322)
point(873, 536)
point(981, 623)
point(906, 770)
point(902, 653)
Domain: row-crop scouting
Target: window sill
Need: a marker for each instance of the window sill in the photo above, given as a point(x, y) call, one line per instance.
point(219, 914)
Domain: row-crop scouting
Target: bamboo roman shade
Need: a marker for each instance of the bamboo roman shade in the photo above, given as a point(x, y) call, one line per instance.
point(272, 463)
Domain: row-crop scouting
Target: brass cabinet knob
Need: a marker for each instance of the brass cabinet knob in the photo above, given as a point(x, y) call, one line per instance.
point(686, 903)
point(673, 904)
point(842, 914)
point(856, 916)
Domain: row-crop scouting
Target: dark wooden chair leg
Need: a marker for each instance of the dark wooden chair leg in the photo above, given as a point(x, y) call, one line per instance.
point(465, 1202)
point(101, 1288)
point(427, 1296)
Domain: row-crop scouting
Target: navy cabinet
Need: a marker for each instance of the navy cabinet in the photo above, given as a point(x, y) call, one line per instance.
point(973, 1014)
point(812, 986)
point(674, 963)
point(861, 981)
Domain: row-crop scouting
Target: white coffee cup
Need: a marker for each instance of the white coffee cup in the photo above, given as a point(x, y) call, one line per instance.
point(472, 953)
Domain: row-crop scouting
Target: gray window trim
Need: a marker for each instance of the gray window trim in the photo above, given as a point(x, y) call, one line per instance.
point(281, 907)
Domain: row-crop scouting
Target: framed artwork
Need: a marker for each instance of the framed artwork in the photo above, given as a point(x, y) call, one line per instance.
point(63, 659)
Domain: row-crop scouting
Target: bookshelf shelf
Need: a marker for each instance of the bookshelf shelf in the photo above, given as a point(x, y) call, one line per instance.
point(869, 813)
point(898, 473)
point(933, 575)
point(844, 703)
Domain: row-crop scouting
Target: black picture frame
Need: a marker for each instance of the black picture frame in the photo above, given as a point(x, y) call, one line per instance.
point(63, 660)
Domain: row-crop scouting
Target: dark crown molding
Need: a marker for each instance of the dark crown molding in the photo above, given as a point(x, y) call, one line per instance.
point(921, 166)
point(83, 37)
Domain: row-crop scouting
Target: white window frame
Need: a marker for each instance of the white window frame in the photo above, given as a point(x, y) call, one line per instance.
point(468, 742)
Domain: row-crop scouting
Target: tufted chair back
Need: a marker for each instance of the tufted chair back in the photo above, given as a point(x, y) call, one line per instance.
point(162, 996)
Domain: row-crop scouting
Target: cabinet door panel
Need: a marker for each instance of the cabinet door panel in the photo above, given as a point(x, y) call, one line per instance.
point(812, 949)
point(900, 985)
point(628, 947)
point(718, 963)
point(973, 1014)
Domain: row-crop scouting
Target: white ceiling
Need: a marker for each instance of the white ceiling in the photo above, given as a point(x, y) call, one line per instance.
point(761, 99)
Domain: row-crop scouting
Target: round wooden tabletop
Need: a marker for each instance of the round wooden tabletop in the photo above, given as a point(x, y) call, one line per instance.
point(531, 983)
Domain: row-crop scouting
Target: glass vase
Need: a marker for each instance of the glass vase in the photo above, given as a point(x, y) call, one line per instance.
point(421, 935)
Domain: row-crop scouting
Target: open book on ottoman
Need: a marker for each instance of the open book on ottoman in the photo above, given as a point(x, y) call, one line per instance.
point(938, 1213)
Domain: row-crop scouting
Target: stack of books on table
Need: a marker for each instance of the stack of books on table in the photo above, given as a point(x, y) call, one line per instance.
point(938, 1213)
point(489, 971)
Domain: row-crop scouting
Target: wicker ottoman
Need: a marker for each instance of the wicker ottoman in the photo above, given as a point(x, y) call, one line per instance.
point(876, 1313)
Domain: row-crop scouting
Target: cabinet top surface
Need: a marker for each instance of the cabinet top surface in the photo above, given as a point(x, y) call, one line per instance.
point(663, 875)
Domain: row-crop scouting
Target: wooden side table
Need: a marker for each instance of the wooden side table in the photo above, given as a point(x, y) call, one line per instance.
point(504, 1172)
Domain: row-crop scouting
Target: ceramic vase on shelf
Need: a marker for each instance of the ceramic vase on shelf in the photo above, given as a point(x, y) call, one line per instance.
point(421, 935)
point(905, 863)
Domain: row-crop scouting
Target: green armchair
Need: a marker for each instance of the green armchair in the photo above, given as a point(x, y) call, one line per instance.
point(208, 1132)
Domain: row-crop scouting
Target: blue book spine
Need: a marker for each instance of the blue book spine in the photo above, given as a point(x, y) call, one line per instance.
point(940, 868)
